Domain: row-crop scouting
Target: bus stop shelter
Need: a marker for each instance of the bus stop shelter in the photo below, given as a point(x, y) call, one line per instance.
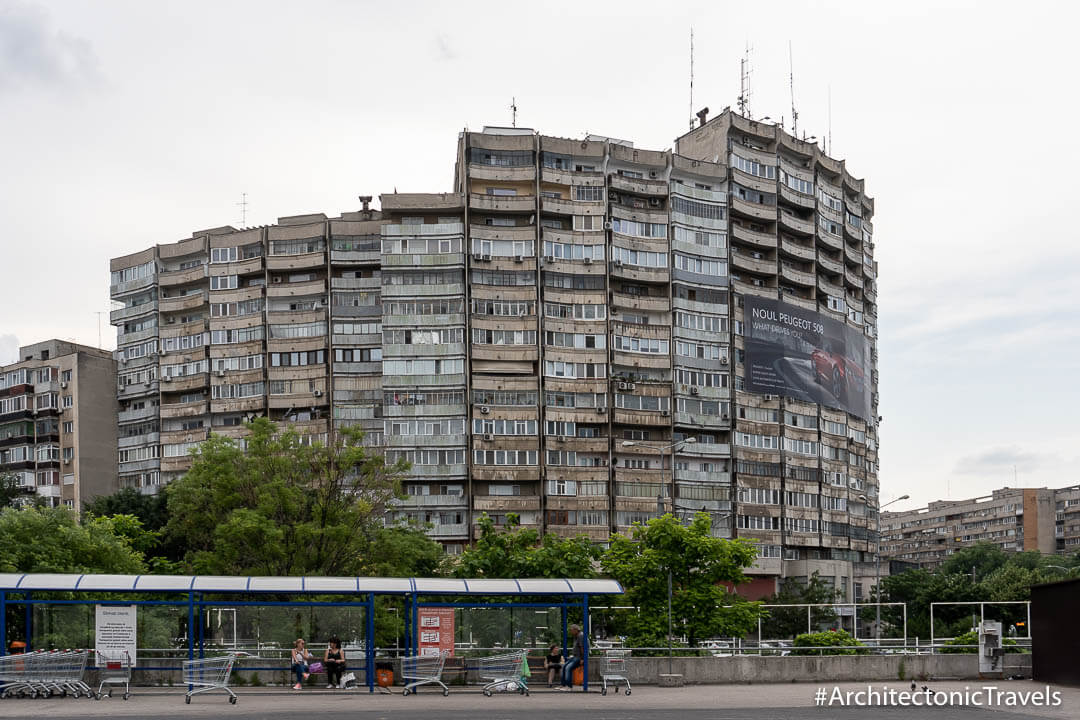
point(198, 593)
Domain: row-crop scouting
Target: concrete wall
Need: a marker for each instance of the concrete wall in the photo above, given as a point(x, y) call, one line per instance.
point(838, 668)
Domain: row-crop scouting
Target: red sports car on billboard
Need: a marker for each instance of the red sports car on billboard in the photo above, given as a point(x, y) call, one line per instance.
point(838, 373)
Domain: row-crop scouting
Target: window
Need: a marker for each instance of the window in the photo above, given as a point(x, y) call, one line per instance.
point(503, 308)
point(561, 369)
point(132, 273)
point(701, 237)
point(241, 335)
point(759, 496)
point(639, 258)
point(641, 345)
point(68, 401)
point(185, 342)
point(223, 255)
point(700, 350)
point(299, 330)
point(574, 340)
point(568, 251)
point(240, 390)
point(511, 398)
point(481, 336)
point(588, 193)
point(704, 323)
point(297, 247)
point(357, 328)
point(244, 362)
point(501, 158)
point(642, 402)
point(639, 229)
point(757, 442)
point(293, 359)
point(223, 282)
point(424, 367)
point(69, 427)
point(565, 311)
point(696, 208)
point(504, 427)
point(753, 167)
point(806, 187)
point(588, 222)
point(701, 266)
point(504, 457)
point(758, 522)
point(355, 355)
point(802, 421)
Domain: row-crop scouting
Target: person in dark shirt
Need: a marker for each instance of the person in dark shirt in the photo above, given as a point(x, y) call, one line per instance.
point(553, 664)
point(577, 654)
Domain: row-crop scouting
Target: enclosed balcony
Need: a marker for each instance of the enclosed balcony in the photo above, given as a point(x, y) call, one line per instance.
point(761, 239)
point(172, 278)
point(502, 203)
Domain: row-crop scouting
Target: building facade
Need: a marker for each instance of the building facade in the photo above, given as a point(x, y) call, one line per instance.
point(58, 423)
point(1015, 519)
point(560, 337)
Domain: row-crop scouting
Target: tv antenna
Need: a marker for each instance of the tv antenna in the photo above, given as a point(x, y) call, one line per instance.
point(791, 84)
point(243, 209)
point(744, 83)
point(513, 112)
point(691, 77)
point(828, 139)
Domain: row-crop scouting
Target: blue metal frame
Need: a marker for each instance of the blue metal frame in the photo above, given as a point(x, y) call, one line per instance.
point(197, 603)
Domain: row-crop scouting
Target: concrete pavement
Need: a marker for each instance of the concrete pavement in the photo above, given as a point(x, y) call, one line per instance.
point(715, 702)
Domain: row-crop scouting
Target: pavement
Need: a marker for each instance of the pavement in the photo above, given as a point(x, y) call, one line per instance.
point(712, 702)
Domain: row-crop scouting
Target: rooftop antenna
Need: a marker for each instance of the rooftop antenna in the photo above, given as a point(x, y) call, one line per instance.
point(99, 313)
point(243, 209)
point(744, 83)
point(828, 140)
point(791, 84)
point(691, 77)
point(513, 112)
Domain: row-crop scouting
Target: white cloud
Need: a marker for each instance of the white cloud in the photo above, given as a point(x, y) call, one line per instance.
point(34, 55)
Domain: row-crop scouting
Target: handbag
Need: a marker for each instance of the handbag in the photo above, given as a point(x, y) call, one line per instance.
point(348, 680)
point(315, 667)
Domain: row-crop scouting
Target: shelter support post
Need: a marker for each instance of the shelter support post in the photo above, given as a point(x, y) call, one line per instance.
point(370, 668)
point(29, 615)
point(3, 623)
point(585, 642)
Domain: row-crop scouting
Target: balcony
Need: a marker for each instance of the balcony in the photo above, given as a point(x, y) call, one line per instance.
point(765, 240)
point(184, 410)
point(502, 173)
point(361, 283)
point(700, 420)
point(435, 472)
point(414, 291)
point(182, 277)
point(130, 416)
point(296, 289)
point(799, 277)
point(796, 224)
point(412, 260)
point(258, 402)
point(852, 278)
point(502, 203)
point(754, 210)
point(130, 286)
point(427, 501)
point(595, 533)
point(803, 252)
point(835, 267)
point(640, 186)
point(182, 302)
point(654, 303)
point(506, 503)
point(572, 177)
point(136, 337)
point(852, 254)
point(137, 440)
point(652, 418)
point(563, 206)
point(185, 382)
point(119, 316)
point(638, 273)
point(833, 242)
point(743, 261)
point(796, 198)
point(300, 261)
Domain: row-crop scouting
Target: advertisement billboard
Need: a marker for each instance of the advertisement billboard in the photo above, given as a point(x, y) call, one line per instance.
point(803, 354)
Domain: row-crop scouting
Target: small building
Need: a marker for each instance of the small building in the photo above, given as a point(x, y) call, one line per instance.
point(1055, 634)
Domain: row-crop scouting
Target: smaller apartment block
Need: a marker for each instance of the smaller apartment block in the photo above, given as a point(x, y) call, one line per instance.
point(58, 422)
point(1016, 519)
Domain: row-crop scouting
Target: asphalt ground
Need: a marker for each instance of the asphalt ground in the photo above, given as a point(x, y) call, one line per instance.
point(712, 702)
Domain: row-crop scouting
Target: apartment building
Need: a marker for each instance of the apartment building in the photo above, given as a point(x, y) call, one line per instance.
point(58, 423)
point(1015, 519)
point(1067, 519)
point(560, 337)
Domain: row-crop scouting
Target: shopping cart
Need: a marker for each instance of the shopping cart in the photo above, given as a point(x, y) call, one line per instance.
point(209, 674)
point(613, 670)
point(424, 670)
point(44, 673)
point(503, 673)
point(114, 669)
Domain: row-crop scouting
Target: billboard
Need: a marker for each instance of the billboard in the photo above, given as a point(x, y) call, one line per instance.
point(802, 354)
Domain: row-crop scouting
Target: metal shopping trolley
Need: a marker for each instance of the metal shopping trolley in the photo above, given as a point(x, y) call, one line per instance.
point(424, 670)
point(209, 674)
point(44, 673)
point(504, 673)
point(63, 673)
point(613, 670)
point(114, 669)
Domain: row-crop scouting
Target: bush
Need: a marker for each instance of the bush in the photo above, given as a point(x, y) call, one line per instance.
point(972, 638)
point(836, 642)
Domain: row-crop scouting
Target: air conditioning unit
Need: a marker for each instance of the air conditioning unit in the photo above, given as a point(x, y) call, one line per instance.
point(600, 411)
point(166, 378)
point(603, 462)
point(724, 360)
point(317, 393)
point(725, 417)
point(221, 373)
point(665, 413)
point(770, 397)
point(123, 361)
point(588, 261)
point(489, 437)
point(487, 258)
point(623, 386)
point(549, 258)
point(67, 461)
point(631, 386)
point(617, 263)
point(519, 258)
point(484, 409)
point(652, 174)
point(607, 225)
point(694, 390)
point(562, 438)
point(654, 202)
point(63, 385)
point(170, 321)
point(477, 257)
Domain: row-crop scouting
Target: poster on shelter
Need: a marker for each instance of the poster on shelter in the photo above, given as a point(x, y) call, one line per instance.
point(436, 631)
point(115, 632)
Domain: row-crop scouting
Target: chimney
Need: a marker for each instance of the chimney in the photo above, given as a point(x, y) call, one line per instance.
point(701, 115)
point(365, 199)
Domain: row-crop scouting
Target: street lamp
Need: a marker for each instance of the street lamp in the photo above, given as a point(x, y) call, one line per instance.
point(877, 560)
point(660, 511)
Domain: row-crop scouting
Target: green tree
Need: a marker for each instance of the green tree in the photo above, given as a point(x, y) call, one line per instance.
point(702, 607)
point(832, 642)
point(152, 510)
point(280, 506)
point(516, 552)
point(51, 540)
point(788, 622)
point(983, 557)
point(9, 489)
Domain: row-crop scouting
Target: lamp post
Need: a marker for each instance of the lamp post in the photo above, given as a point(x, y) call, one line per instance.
point(877, 560)
point(660, 511)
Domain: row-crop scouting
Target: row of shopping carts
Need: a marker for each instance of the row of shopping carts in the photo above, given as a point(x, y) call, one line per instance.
point(506, 672)
point(49, 673)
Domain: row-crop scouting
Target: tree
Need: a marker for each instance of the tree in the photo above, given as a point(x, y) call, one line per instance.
point(788, 622)
point(516, 552)
point(702, 607)
point(51, 540)
point(280, 506)
point(9, 489)
point(152, 513)
point(983, 557)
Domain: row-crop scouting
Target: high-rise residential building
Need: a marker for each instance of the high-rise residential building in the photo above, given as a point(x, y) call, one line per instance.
point(1015, 519)
point(1067, 519)
point(582, 333)
point(58, 423)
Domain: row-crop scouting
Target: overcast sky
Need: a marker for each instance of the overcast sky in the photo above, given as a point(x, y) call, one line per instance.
point(126, 124)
